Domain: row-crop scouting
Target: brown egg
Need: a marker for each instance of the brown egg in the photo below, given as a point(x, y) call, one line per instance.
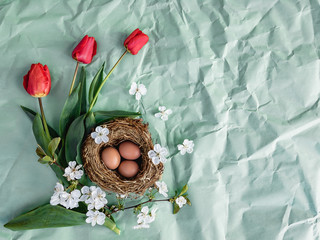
point(110, 157)
point(129, 150)
point(128, 168)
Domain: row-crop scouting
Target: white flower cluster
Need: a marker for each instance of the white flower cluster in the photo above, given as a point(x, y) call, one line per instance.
point(162, 188)
point(93, 196)
point(73, 172)
point(144, 218)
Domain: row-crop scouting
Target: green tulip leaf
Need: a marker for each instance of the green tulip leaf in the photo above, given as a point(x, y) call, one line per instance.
point(90, 122)
point(184, 190)
point(104, 116)
point(31, 114)
point(39, 133)
point(46, 216)
point(95, 84)
point(53, 145)
point(74, 139)
point(83, 92)
point(109, 223)
point(70, 111)
point(176, 208)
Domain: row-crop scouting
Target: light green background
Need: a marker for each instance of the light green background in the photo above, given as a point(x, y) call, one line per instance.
point(242, 79)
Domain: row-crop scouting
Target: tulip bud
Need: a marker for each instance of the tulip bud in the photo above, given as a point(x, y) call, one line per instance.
point(136, 40)
point(85, 50)
point(37, 82)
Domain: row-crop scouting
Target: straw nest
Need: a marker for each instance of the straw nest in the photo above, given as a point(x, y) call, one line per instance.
point(122, 129)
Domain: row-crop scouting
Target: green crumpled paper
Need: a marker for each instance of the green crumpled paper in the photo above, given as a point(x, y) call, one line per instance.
point(242, 79)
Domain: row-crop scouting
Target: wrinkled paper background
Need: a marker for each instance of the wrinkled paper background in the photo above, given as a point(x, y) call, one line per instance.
point(242, 79)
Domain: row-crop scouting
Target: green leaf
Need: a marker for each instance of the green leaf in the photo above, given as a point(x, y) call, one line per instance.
point(53, 145)
point(188, 201)
point(40, 152)
point(184, 190)
point(111, 225)
point(104, 116)
point(39, 133)
point(90, 122)
point(95, 84)
point(176, 208)
point(31, 114)
point(83, 92)
point(59, 173)
point(45, 160)
point(74, 139)
point(70, 111)
point(46, 216)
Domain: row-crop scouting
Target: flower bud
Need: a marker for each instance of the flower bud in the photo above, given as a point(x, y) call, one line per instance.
point(37, 81)
point(136, 40)
point(85, 50)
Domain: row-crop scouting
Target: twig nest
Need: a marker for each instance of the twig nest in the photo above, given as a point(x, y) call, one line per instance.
point(120, 130)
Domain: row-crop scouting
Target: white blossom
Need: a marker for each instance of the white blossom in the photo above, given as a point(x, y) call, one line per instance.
point(98, 199)
point(186, 147)
point(70, 200)
point(86, 193)
point(73, 172)
point(137, 90)
point(121, 196)
point(95, 217)
point(158, 154)
point(144, 218)
point(162, 187)
point(181, 201)
point(100, 135)
point(164, 113)
point(56, 197)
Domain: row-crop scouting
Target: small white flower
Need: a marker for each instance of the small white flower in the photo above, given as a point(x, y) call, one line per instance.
point(97, 200)
point(70, 200)
point(163, 189)
point(164, 113)
point(56, 197)
point(144, 218)
point(86, 193)
point(137, 90)
point(158, 154)
point(181, 201)
point(186, 146)
point(72, 172)
point(95, 217)
point(100, 135)
point(121, 196)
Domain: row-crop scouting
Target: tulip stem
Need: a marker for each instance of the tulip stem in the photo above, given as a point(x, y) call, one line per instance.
point(44, 119)
point(104, 81)
point(74, 78)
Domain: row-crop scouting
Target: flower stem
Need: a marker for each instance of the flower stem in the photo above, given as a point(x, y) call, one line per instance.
point(62, 168)
point(44, 119)
point(150, 200)
point(104, 81)
point(74, 78)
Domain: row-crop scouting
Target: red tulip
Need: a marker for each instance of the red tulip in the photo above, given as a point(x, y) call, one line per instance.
point(85, 50)
point(136, 40)
point(37, 82)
